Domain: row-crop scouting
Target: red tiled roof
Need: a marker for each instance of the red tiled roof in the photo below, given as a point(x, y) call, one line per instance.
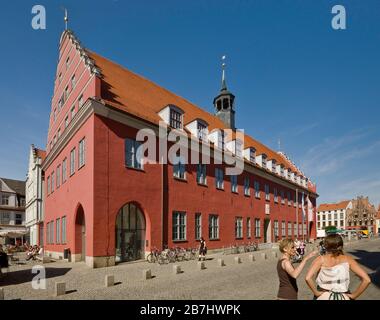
point(333, 206)
point(132, 93)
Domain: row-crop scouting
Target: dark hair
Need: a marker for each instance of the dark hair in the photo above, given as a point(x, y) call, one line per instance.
point(333, 244)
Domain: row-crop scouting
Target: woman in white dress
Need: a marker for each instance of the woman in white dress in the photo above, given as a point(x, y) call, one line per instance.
point(333, 270)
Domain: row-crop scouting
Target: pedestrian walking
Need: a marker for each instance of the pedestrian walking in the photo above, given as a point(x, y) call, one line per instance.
point(202, 250)
point(287, 274)
point(333, 270)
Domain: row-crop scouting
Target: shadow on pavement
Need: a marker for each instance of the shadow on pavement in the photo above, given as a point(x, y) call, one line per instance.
point(371, 260)
point(24, 276)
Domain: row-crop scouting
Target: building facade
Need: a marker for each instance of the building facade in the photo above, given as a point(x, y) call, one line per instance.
point(34, 210)
point(362, 214)
point(333, 214)
point(377, 224)
point(12, 211)
point(106, 201)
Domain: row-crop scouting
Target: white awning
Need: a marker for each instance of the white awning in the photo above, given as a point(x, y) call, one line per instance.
point(12, 233)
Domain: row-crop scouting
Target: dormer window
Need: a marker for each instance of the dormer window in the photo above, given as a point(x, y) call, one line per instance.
point(289, 174)
point(175, 119)
point(273, 165)
point(264, 161)
point(252, 155)
point(202, 131)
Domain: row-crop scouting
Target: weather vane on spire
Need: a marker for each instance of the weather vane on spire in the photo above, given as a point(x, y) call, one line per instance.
point(66, 18)
point(224, 86)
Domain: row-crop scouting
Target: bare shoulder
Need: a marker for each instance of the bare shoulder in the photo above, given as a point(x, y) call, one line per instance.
point(347, 258)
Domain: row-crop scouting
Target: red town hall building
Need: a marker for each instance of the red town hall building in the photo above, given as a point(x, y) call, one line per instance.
point(105, 206)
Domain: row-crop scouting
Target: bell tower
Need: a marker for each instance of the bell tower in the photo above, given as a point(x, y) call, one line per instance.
point(224, 102)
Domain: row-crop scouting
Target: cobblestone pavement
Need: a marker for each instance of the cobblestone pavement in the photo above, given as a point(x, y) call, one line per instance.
point(248, 280)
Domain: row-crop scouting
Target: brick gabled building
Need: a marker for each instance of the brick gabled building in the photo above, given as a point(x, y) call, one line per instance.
point(105, 206)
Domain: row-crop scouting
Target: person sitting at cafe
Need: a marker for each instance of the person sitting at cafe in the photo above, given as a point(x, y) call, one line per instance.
point(3, 258)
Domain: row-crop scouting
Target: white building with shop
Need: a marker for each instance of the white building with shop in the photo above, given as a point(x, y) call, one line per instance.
point(333, 214)
point(34, 212)
point(12, 211)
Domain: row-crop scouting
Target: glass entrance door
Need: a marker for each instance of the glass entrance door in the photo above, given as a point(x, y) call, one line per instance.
point(130, 234)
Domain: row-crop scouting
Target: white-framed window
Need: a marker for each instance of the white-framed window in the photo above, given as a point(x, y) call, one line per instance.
point(52, 181)
point(5, 199)
point(198, 226)
point(221, 140)
point(72, 112)
point(267, 194)
point(201, 129)
point(64, 170)
point(133, 154)
point(179, 225)
point(61, 101)
point(246, 186)
point(175, 119)
point(234, 185)
point(5, 217)
point(290, 229)
point(276, 228)
point(58, 176)
point(82, 153)
point(57, 231)
point(275, 195)
point(264, 162)
point(282, 197)
point(48, 233)
point(48, 185)
point(295, 230)
point(66, 94)
point(248, 227)
point(67, 63)
point(179, 168)
point(238, 227)
point(238, 148)
point(54, 140)
point(72, 161)
point(59, 133)
point(52, 232)
point(73, 83)
point(257, 189)
point(252, 155)
point(80, 101)
point(66, 121)
point(201, 174)
point(59, 77)
point(219, 180)
point(283, 231)
point(257, 228)
point(213, 229)
point(64, 230)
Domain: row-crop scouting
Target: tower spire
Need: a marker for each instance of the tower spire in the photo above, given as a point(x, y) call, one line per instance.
point(224, 86)
point(66, 18)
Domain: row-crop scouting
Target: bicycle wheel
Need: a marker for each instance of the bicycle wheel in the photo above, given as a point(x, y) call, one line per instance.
point(150, 258)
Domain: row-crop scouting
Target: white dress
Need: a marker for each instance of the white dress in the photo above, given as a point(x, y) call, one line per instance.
point(334, 279)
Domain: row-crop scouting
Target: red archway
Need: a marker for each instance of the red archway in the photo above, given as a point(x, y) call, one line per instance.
point(80, 233)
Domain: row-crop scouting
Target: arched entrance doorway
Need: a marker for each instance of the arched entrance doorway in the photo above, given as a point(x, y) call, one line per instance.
point(80, 233)
point(130, 233)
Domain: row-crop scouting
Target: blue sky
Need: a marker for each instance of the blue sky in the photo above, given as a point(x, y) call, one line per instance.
point(295, 78)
